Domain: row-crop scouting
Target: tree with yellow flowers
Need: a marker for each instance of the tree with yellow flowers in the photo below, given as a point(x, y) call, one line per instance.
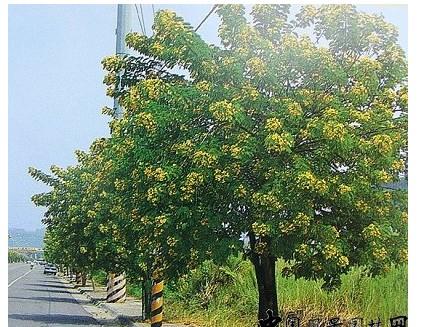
point(275, 134)
point(277, 137)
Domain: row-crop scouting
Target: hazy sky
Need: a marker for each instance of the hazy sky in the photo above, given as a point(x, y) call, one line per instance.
point(56, 91)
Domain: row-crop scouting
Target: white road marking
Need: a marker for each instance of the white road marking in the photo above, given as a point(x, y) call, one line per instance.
point(11, 283)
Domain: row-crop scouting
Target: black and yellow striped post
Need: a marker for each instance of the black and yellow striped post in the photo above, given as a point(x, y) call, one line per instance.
point(116, 288)
point(157, 303)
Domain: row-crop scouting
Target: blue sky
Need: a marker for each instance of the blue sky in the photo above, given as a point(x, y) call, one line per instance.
point(56, 91)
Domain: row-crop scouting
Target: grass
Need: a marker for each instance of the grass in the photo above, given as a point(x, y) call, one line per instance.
point(227, 296)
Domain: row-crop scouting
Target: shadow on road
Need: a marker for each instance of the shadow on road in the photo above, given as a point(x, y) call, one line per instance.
point(49, 290)
point(56, 319)
point(54, 285)
point(49, 299)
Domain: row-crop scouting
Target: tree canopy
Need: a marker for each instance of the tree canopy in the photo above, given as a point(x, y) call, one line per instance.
point(284, 135)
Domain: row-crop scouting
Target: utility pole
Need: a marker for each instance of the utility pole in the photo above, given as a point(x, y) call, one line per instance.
point(123, 27)
point(116, 284)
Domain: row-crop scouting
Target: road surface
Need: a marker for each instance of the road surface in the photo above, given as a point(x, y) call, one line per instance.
point(36, 299)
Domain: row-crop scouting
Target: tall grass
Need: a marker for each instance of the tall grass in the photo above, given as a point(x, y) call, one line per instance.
point(227, 296)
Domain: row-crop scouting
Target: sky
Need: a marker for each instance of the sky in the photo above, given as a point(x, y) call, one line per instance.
point(55, 92)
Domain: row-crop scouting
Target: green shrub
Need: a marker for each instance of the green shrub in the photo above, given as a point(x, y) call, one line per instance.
point(100, 278)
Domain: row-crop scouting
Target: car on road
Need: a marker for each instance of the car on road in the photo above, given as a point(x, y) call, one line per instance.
point(50, 269)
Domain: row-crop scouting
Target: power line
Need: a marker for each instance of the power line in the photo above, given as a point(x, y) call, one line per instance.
point(206, 17)
point(142, 18)
point(139, 20)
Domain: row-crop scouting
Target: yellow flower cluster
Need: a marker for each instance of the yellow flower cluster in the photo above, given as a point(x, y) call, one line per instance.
point(382, 211)
point(119, 184)
point(209, 66)
point(222, 111)
point(192, 182)
point(373, 38)
point(371, 231)
point(398, 165)
point(342, 261)
point(157, 174)
point(379, 253)
point(153, 195)
point(171, 188)
point(384, 177)
point(360, 116)
point(221, 175)
point(250, 92)
point(294, 108)
point(403, 255)
point(260, 247)
point(260, 229)
point(204, 159)
point(335, 231)
point(361, 206)
point(383, 143)
point(184, 148)
point(235, 151)
point(240, 191)
point(267, 200)
point(404, 98)
point(157, 48)
point(404, 217)
point(369, 64)
point(152, 87)
point(256, 66)
point(330, 113)
point(287, 227)
point(194, 254)
point(279, 143)
point(302, 249)
point(334, 131)
point(171, 241)
point(160, 220)
point(302, 220)
point(330, 251)
point(308, 181)
point(91, 214)
point(273, 124)
point(203, 86)
point(304, 133)
point(103, 229)
point(146, 120)
point(359, 91)
point(343, 189)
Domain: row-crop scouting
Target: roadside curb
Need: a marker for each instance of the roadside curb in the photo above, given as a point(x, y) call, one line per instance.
point(132, 321)
point(124, 320)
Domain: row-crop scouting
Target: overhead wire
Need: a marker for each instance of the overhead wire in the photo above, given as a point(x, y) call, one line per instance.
point(142, 18)
point(139, 20)
point(206, 17)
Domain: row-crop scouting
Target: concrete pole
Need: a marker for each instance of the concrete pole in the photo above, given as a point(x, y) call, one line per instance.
point(123, 27)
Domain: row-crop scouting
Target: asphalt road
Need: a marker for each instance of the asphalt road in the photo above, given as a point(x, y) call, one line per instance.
point(36, 299)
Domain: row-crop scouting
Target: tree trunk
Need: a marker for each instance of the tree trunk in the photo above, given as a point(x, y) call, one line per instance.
point(146, 297)
point(265, 268)
point(83, 279)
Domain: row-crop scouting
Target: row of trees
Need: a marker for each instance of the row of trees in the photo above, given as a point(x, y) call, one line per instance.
point(274, 144)
point(14, 256)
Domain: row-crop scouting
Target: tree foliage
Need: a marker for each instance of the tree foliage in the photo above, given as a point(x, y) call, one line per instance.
point(275, 136)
